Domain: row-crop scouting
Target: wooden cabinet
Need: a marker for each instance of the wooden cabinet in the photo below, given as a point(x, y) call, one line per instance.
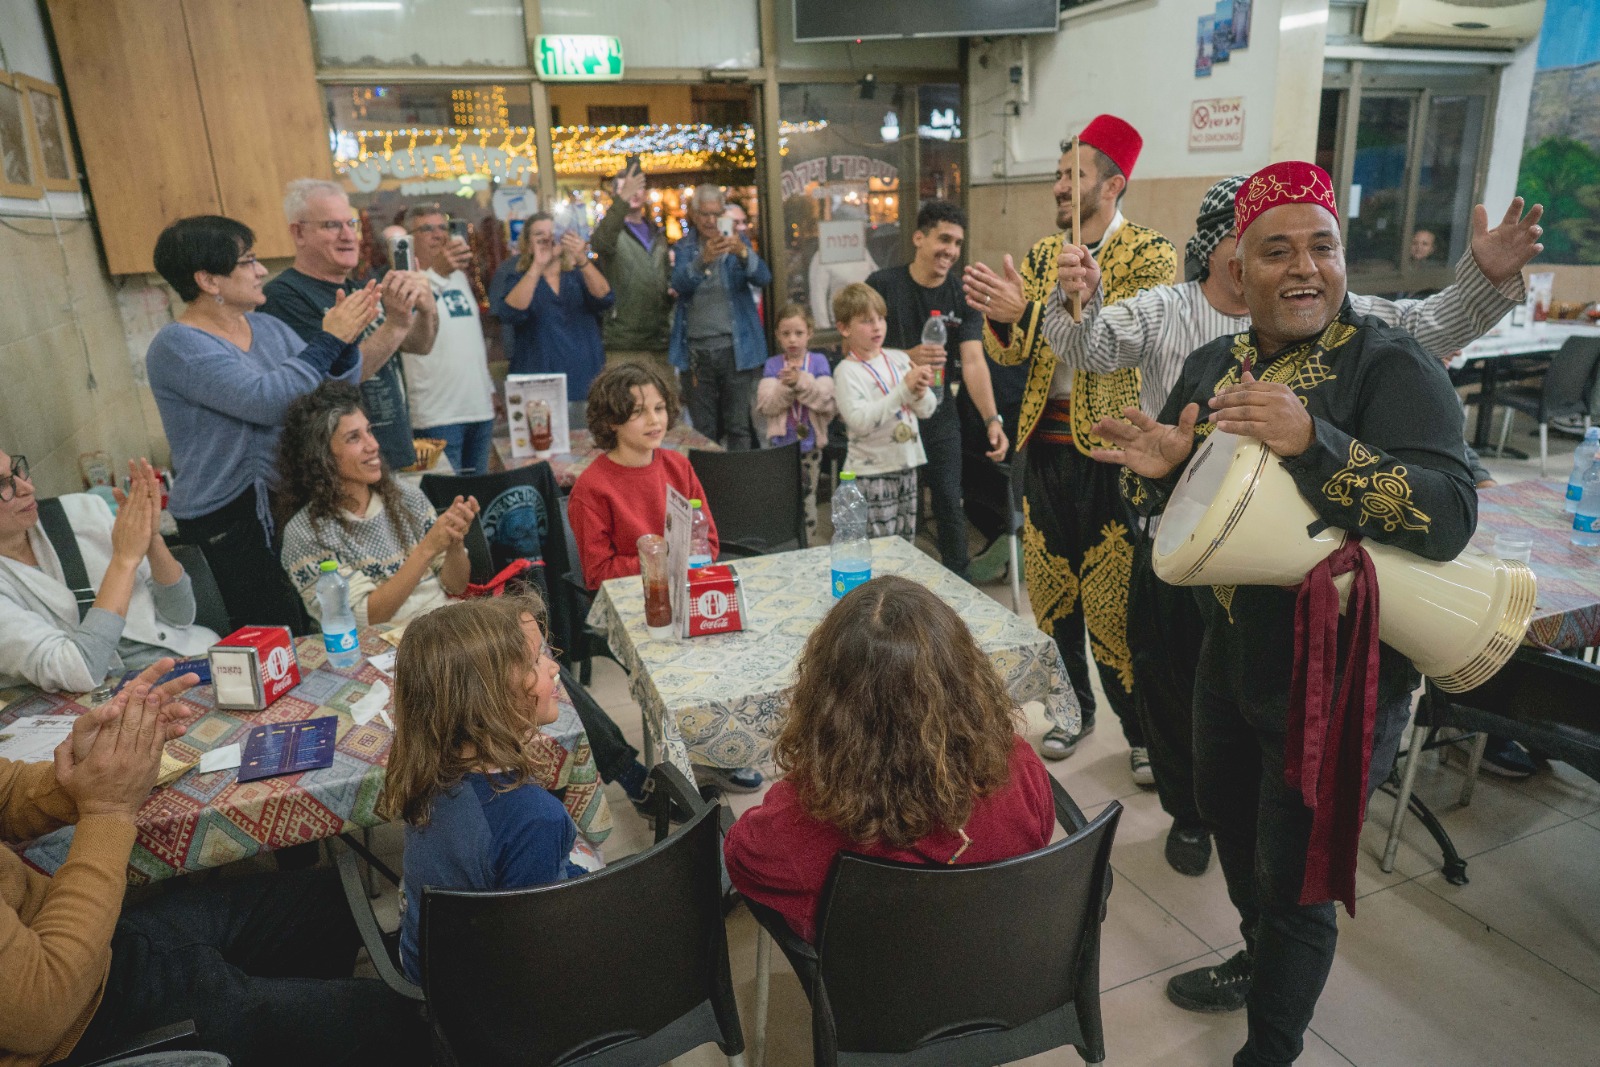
point(191, 107)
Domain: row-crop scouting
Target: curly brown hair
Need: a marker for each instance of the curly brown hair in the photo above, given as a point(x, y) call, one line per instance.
point(459, 702)
point(612, 403)
point(308, 477)
point(898, 722)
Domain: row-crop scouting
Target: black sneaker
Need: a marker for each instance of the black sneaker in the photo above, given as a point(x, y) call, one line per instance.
point(1188, 850)
point(1224, 987)
point(1507, 759)
point(1059, 744)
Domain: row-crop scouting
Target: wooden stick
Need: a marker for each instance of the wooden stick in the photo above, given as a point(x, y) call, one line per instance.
point(1077, 299)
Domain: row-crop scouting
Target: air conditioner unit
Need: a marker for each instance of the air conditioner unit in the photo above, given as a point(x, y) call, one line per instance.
point(1458, 23)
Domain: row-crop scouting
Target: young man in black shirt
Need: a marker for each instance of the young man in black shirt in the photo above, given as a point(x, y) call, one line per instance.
point(913, 292)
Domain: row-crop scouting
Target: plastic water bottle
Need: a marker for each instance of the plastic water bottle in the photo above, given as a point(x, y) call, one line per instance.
point(338, 621)
point(933, 333)
point(852, 552)
point(1580, 463)
point(699, 536)
point(1586, 519)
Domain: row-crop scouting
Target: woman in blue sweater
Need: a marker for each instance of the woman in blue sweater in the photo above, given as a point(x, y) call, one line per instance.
point(223, 378)
point(552, 297)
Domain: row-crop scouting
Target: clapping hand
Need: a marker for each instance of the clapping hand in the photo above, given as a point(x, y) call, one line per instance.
point(144, 491)
point(449, 530)
point(352, 313)
point(111, 761)
point(999, 297)
point(171, 710)
point(1144, 445)
point(1503, 251)
point(918, 378)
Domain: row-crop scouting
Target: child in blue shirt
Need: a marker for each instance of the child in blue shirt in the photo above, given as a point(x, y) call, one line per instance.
point(796, 396)
point(472, 685)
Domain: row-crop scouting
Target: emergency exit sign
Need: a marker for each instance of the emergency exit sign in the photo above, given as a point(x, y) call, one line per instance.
point(579, 58)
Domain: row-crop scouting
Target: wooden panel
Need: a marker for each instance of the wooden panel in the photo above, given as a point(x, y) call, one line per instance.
point(137, 109)
point(263, 108)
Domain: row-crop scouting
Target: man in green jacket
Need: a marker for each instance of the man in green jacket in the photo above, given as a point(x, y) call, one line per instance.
point(633, 257)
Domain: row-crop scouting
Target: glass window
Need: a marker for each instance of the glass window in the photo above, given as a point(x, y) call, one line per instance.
point(843, 152)
point(719, 34)
point(941, 142)
point(420, 33)
point(1450, 145)
point(1377, 209)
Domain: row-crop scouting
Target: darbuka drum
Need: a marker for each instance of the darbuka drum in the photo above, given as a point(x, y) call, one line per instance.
point(1237, 518)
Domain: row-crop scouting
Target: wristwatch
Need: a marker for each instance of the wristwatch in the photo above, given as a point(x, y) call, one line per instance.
point(996, 417)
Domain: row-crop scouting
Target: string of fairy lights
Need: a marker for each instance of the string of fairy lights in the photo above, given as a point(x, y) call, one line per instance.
point(577, 150)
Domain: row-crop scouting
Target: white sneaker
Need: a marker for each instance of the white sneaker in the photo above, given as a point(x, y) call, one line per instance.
point(1139, 763)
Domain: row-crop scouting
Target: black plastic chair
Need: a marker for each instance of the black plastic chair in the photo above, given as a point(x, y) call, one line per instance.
point(1544, 700)
point(168, 1046)
point(754, 497)
point(956, 966)
point(494, 997)
point(1563, 392)
point(209, 610)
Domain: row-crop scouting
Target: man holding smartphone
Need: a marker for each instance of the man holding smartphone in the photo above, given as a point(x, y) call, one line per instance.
point(716, 333)
point(634, 258)
point(327, 249)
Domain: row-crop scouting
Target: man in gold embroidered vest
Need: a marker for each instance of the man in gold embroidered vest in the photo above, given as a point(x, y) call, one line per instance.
point(1369, 428)
point(1076, 539)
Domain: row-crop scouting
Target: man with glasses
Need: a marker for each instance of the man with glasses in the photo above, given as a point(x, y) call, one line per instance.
point(327, 244)
point(452, 396)
point(716, 333)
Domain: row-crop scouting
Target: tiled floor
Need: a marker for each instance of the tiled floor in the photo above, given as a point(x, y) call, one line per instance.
point(1504, 970)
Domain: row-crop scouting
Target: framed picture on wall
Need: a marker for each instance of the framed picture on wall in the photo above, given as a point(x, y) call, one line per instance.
point(57, 170)
point(19, 170)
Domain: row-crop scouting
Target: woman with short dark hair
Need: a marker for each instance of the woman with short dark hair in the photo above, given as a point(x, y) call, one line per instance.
point(223, 378)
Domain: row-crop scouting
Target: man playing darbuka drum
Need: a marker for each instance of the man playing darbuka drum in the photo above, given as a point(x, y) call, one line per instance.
point(1369, 429)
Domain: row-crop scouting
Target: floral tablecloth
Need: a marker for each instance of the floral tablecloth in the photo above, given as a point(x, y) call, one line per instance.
point(566, 466)
point(720, 700)
point(1567, 612)
point(207, 820)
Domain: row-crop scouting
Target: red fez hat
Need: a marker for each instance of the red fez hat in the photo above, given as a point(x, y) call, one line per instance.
point(1291, 182)
point(1119, 141)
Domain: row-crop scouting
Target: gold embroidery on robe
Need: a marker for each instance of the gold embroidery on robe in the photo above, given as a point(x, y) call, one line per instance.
point(1107, 573)
point(1224, 595)
point(1052, 586)
point(1384, 496)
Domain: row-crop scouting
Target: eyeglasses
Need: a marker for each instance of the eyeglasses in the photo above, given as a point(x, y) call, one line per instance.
point(432, 227)
point(248, 261)
point(335, 225)
point(8, 484)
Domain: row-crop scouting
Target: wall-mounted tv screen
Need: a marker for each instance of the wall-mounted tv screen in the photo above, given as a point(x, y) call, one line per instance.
point(852, 20)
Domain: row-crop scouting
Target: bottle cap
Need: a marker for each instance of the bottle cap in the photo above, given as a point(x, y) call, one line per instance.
point(847, 476)
point(933, 314)
point(695, 502)
point(329, 565)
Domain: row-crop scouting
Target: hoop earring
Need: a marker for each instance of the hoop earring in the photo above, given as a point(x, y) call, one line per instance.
point(218, 298)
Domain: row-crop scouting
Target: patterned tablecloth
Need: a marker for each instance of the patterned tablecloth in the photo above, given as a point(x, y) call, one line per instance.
point(207, 820)
point(720, 700)
point(1567, 614)
point(568, 465)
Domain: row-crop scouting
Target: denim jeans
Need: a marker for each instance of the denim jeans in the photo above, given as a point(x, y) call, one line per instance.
point(720, 396)
point(1263, 829)
point(262, 965)
point(465, 443)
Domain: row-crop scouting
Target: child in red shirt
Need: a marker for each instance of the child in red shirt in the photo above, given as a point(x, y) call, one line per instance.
point(866, 770)
point(623, 494)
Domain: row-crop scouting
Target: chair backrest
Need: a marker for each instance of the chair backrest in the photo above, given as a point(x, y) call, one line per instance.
point(1004, 939)
point(1550, 696)
point(520, 517)
point(209, 610)
point(754, 498)
point(1569, 379)
point(561, 973)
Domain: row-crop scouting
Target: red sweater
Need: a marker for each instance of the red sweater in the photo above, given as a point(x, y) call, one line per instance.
point(780, 856)
point(612, 506)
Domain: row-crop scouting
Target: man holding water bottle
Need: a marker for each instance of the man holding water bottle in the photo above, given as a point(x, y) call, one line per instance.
point(914, 293)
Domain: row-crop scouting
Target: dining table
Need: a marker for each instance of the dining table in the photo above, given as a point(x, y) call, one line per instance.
point(582, 451)
point(1492, 353)
point(719, 700)
point(1566, 612)
point(206, 820)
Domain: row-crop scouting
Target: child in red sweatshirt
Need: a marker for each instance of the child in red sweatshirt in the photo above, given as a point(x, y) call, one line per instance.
point(623, 493)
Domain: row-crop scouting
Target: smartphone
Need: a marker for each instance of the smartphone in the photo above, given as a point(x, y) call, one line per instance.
point(400, 252)
point(725, 225)
point(632, 166)
point(460, 228)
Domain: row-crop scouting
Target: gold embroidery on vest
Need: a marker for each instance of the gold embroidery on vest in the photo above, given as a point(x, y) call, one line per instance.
point(1052, 586)
point(1133, 487)
point(1107, 572)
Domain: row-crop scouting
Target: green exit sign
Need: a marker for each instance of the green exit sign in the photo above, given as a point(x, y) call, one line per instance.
point(580, 58)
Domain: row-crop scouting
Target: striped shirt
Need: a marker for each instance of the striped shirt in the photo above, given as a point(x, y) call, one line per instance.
point(1156, 330)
